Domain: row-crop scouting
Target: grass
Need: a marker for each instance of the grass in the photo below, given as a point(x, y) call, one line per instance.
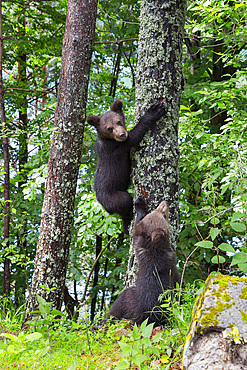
point(48, 343)
point(67, 347)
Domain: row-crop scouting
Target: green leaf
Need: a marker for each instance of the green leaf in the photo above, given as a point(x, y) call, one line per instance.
point(239, 258)
point(236, 216)
point(157, 337)
point(183, 107)
point(126, 348)
point(14, 338)
point(41, 300)
point(33, 336)
point(136, 333)
point(214, 221)
point(144, 324)
point(218, 259)
point(197, 186)
point(43, 305)
point(243, 267)
point(156, 351)
point(239, 5)
point(13, 210)
point(139, 359)
point(147, 330)
point(237, 226)
point(204, 244)
point(122, 365)
point(169, 351)
point(214, 232)
point(226, 247)
point(57, 313)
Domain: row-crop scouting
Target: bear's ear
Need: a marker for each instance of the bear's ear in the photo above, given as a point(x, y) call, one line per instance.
point(93, 120)
point(164, 209)
point(157, 235)
point(117, 106)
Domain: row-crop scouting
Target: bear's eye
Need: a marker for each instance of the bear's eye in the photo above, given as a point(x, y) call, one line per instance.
point(120, 123)
point(110, 129)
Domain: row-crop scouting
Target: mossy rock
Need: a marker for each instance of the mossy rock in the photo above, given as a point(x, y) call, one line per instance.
point(220, 308)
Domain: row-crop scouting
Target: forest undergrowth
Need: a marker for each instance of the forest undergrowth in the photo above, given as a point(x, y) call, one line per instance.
point(51, 341)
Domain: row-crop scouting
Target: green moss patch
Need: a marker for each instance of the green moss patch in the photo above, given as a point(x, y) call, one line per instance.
point(243, 295)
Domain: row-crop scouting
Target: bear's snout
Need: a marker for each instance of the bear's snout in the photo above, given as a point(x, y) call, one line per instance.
point(122, 136)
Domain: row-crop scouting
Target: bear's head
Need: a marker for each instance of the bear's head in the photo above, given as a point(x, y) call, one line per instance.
point(111, 124)
point(155, 225)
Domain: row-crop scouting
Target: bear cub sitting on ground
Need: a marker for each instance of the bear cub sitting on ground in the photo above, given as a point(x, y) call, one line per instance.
point(157, 267)
point(113, 146)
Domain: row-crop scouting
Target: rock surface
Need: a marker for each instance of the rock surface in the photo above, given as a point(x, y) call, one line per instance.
point(217, 338)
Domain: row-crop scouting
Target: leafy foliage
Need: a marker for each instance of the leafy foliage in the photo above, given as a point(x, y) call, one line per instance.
point(212, 137)
point(213, 141)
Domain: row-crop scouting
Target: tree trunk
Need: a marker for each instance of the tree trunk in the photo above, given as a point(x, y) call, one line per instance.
point(57, 212)
point(217, 118)
point(96, 275)
point(6, 284)
point(20, 285)
point(159, 78)
point(116, 72)
point(104, 290)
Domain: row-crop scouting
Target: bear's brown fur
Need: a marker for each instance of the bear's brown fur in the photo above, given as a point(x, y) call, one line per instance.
point(113, 146)
point(157, 272)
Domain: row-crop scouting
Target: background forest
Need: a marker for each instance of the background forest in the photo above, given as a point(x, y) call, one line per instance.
point(212, 139)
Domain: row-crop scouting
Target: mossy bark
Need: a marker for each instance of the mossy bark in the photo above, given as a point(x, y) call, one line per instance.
point(58, 206)
point(159, 77)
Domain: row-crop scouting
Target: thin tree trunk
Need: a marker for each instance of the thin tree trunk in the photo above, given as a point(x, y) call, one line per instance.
point(96, 275)
point(116, 72)
point(117, 263)
point(217, 120)
point(159, 78)
point(57, 212)
point(6, 167)
point(20, 285)
point(104, 291)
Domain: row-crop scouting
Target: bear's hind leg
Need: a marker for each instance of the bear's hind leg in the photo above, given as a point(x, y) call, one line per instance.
point(125, 305)
point(126, 224)
point(121, 202)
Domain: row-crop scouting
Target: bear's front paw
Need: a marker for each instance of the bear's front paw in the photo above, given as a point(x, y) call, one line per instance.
point(155, 112)
point(141, 208)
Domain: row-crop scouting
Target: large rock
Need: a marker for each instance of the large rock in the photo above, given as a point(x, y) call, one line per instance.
point(217, 338)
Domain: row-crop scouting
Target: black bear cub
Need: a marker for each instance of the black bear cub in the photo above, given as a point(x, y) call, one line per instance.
point(157, 267)
point(113, 146)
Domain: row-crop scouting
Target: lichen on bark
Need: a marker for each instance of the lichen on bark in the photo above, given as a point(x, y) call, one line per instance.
point(159, 77)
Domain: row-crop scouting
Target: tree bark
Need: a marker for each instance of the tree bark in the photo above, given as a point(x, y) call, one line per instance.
point(159, 77)
point(20, 281)
point(116, 72)
point(96, 275)
point(57, 212)
point(6, 284)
